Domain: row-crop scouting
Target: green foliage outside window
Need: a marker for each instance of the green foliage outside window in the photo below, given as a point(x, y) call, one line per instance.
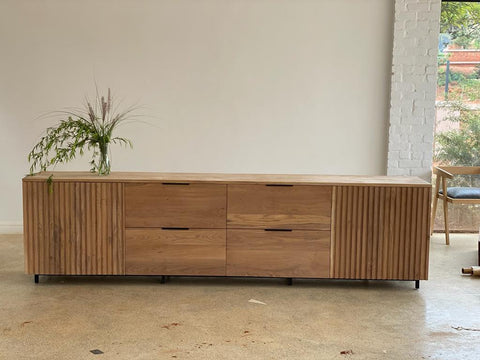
point(460, 147)
point(462, 21)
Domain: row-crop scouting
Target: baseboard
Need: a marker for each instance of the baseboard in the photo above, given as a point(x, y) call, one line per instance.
point(11, 227)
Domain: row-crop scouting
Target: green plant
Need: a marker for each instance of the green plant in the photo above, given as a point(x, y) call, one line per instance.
point(454, 77)
point(471, 76)
point(441, 77)
point(464, 41)
point(461, 20)
point(476, 44)
point(457, 77)
point(477, 72)
point(442, 58)
point(89, 128)
point(471, 89)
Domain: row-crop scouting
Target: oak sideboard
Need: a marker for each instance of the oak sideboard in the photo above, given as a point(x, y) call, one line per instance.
point(290, 226)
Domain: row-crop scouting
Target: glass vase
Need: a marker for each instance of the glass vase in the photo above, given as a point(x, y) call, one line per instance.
point(103, 161)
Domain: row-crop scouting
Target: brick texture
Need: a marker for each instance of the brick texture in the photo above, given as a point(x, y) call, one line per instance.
point(414, 77)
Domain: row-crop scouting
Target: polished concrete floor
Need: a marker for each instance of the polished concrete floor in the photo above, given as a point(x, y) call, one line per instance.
point(212, 318)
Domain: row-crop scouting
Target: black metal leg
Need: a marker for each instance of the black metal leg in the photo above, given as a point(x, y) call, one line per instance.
point(163, 279)
point(290, 281)
point(36, 278)
point(417, 284)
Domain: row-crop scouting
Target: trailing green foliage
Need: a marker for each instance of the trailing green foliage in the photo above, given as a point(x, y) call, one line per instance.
point(90, 128)
point(50, 184)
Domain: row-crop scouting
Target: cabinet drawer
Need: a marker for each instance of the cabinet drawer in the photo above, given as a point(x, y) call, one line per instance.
point(175, 252)
point(294, 253)
point(175, 205)
point(292, 207)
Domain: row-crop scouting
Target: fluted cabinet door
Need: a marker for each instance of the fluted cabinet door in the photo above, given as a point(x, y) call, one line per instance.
point(73, 228)
point(380, 232)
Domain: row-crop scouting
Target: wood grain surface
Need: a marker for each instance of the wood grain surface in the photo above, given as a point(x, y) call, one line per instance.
point(295, 179)
point(175, 205)
point(278, 253)
point(381, 233)
point(283, 207)
point(175, 252)
point(348, 230)
point(74, 229)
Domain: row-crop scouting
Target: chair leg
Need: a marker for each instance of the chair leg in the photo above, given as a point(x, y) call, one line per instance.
point(434, 211)
point(435, 203)
point(445, 211)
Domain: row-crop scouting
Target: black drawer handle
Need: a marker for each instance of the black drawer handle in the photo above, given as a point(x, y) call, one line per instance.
point(175, 228)
point(278, 229)
point(284, 185)
point(174, 183)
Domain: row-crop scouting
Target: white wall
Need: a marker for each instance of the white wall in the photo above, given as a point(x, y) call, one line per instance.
point(414, 87)
point(264, 86)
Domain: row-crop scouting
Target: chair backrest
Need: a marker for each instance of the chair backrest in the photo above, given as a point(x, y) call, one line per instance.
point(458, 170)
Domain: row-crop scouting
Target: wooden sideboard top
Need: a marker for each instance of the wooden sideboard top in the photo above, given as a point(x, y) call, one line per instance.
point(291, 179)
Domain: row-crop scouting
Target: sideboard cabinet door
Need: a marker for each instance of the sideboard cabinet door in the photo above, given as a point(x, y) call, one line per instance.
point(381, 232)
point(74, 228)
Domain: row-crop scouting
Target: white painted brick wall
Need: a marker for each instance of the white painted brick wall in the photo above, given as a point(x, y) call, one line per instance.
point(414, 78)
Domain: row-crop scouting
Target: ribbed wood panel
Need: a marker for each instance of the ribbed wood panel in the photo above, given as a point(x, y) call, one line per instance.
point(77, 228)
point(380, 233)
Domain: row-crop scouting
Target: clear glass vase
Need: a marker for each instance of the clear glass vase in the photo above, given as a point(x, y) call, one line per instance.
point(103, 161)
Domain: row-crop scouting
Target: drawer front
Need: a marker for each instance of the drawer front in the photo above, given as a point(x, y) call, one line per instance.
point(175, 252)
point(294, 253)
point(291, 207)
point(175, 205)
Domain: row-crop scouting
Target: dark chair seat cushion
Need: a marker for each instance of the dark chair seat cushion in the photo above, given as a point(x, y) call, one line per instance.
point(463, 192)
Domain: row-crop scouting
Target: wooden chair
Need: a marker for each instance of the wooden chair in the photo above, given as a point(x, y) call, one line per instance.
point(458, 195)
